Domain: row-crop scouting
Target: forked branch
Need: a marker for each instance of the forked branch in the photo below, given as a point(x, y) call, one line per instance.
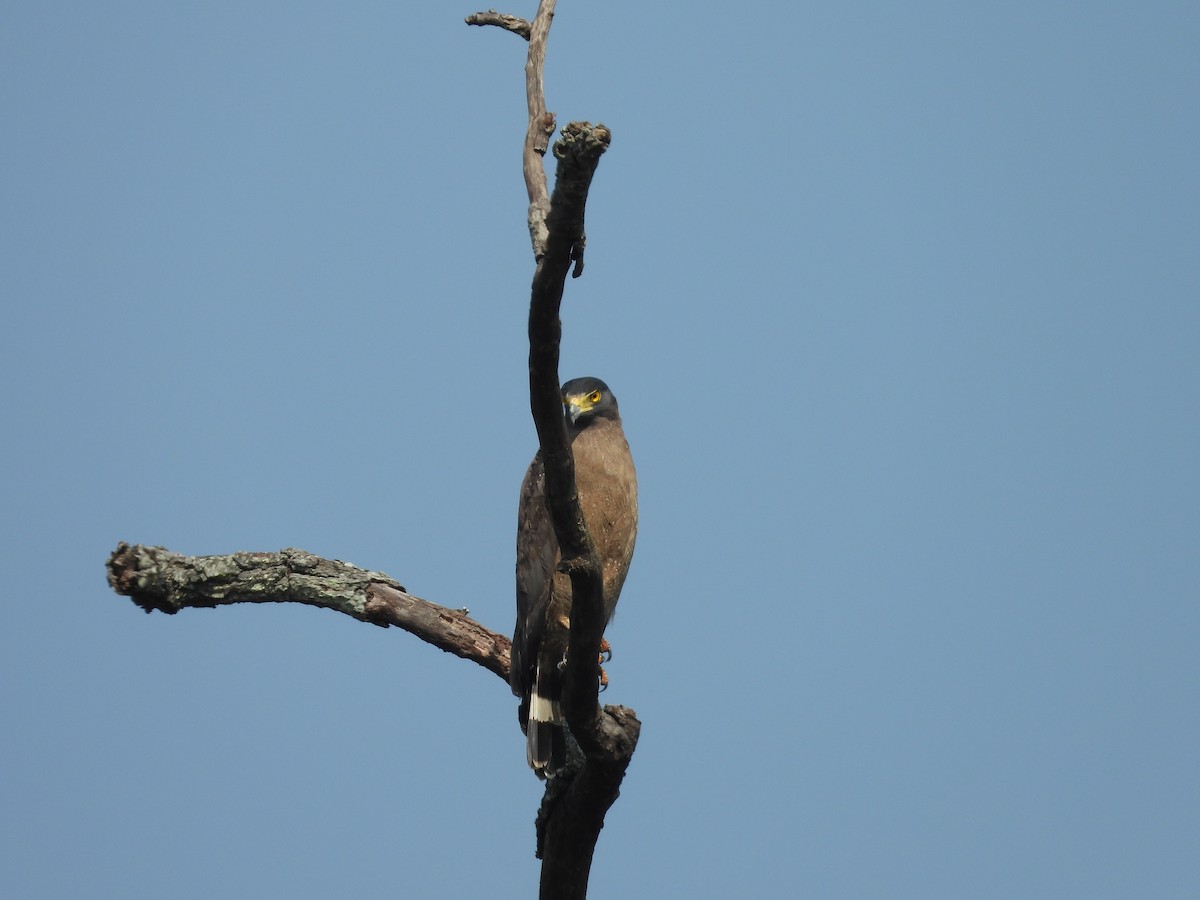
point(576, 802)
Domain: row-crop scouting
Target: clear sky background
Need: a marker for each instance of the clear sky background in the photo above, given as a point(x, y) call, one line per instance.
point(902, 306)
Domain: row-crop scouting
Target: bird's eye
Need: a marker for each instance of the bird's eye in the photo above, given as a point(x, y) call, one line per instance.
point(594, 397)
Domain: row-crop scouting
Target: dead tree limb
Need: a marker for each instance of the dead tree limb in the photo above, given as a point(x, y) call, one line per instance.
point(576, 800)
point(541, 126)
point(157, 579)
point(515, 24)
point(541, 123)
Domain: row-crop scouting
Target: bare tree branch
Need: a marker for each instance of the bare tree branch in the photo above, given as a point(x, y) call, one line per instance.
point(515, 24)
point(576, 802)
point(541, 126)
point(157, 579)
point(578, 798)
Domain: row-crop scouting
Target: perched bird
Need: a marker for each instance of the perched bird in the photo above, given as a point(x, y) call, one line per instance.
point(607, 486)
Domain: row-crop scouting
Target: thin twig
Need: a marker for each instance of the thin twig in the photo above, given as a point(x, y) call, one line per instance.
point(541, 126)
point(541, 123)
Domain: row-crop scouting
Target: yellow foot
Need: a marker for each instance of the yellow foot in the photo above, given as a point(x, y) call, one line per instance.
point(605, 656)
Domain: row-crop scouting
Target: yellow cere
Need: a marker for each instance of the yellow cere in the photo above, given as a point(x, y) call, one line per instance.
point(582, 401)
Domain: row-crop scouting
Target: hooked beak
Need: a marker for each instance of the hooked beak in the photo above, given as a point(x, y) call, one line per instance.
point(576, 405)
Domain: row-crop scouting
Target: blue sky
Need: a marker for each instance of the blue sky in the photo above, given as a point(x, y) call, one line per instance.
point(901, 305)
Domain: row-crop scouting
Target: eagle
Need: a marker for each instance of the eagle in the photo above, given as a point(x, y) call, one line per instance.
point(607, 486)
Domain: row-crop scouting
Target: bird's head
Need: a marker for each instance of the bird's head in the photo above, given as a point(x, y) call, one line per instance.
point(586, 399)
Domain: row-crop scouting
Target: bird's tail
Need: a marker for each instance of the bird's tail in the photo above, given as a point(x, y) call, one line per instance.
point(545, 737)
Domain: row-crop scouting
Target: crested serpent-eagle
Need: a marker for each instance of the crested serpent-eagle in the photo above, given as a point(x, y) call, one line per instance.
point(607, 487)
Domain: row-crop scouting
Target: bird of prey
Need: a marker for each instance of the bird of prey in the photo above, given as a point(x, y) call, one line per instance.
point(607, 487)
